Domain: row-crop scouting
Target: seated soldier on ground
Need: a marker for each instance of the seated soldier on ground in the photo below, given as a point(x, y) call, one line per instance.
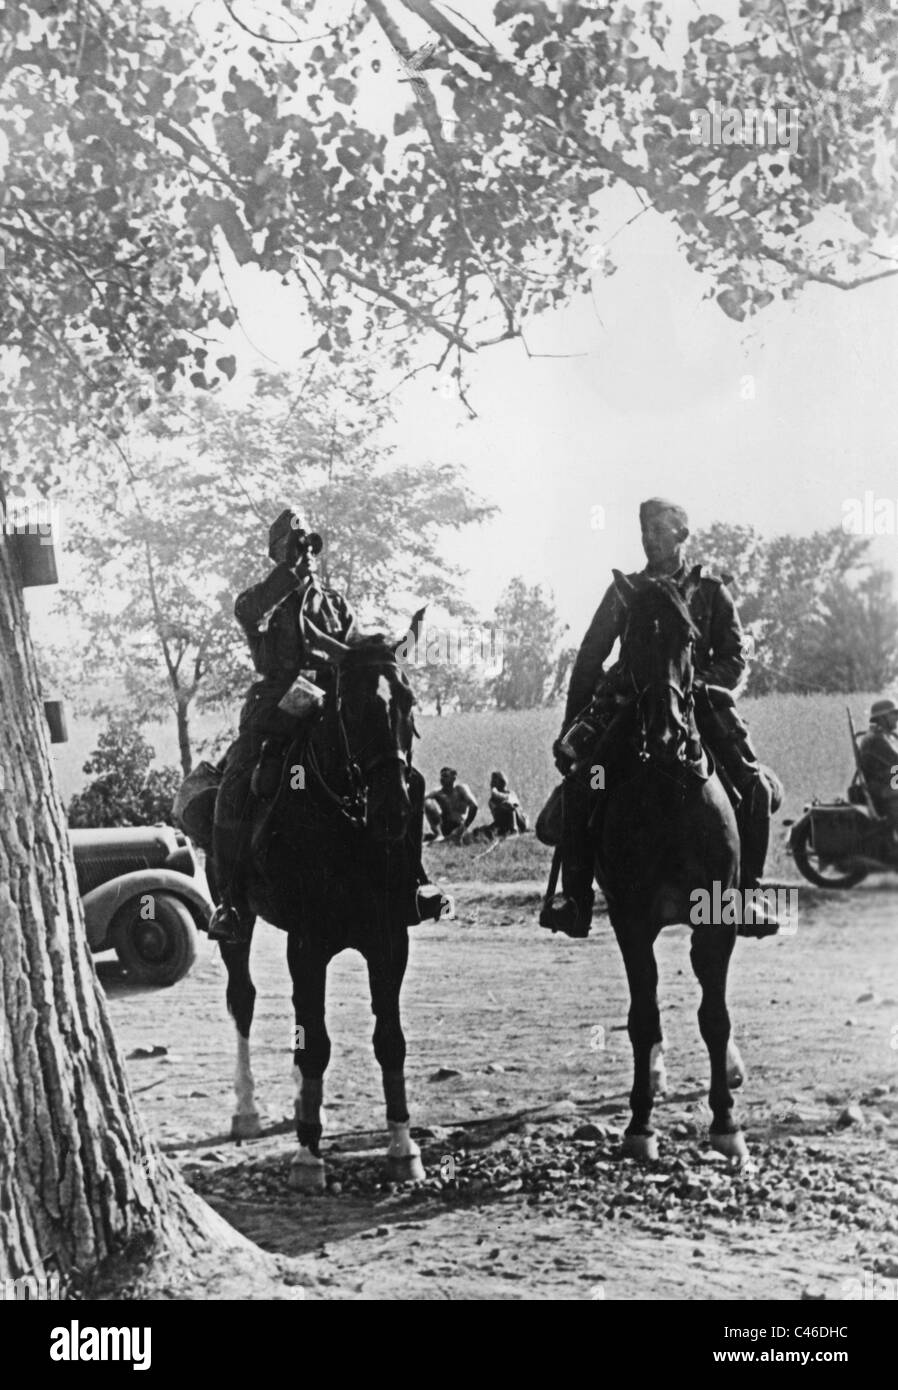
point(505, 807)
point(878, 753)
point(450, 809)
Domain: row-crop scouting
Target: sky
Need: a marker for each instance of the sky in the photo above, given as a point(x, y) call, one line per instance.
point(643, 388)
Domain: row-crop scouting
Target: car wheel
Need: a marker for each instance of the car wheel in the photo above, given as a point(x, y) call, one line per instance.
point(823, 872)
point(157, 950)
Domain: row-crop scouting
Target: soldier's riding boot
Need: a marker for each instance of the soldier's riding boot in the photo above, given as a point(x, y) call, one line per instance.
point(573, 915)
point(754, 833)
point(233, 920)
point(430, 902)
point(728, 738)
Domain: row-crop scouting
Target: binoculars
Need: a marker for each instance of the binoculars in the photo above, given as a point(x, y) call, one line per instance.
point(306, 542)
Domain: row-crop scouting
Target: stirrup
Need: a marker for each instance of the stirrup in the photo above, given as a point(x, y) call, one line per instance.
point(571, 917)
point(765, 921)
point(433, 905)
point(226, 926)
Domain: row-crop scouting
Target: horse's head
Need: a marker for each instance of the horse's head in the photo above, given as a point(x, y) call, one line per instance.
point(374, 727)
point(658, 651)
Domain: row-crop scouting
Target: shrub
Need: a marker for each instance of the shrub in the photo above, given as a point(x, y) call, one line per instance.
point(125, 789)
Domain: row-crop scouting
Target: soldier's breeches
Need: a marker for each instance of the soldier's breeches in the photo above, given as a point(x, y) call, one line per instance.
point(232, 810)
point(415, 832)
point(728, 739)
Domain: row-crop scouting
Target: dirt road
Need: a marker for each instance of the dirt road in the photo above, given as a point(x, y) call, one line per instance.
point(516, 1041)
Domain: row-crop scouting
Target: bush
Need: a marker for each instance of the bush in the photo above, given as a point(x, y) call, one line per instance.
point(125, 789)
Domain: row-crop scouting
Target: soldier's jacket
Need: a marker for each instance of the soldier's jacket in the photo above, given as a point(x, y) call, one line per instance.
point(719, 650)
point(269, 613)
point(879, 761)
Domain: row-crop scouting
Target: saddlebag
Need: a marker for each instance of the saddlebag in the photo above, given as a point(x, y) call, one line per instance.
point(194, 807)
point(550, 821)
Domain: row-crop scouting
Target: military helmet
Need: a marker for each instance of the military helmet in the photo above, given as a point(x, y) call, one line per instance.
point(881, 709)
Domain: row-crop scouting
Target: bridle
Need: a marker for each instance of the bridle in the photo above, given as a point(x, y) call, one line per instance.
point(686, 699)
point(685, 713)
point(353, 805)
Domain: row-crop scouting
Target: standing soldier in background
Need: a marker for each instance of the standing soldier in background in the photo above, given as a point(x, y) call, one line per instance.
point(719, 665)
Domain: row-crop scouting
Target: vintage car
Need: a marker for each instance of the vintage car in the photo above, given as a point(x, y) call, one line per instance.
point(141, 897)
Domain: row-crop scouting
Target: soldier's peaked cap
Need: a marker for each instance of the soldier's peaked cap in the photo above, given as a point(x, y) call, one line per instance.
point(660, 506)
point(880, 708)
point(287, 521)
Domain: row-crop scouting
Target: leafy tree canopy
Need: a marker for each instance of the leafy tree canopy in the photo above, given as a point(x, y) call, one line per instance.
point(175, 524)
point(140, 148)
point(820, 614)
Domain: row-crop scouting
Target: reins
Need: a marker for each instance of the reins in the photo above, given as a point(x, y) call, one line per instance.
point(354, 805)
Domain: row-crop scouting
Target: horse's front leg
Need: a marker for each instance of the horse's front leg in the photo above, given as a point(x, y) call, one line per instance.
point(386, 969)
point(712, 947)
point(241, 999)
point(644, 1026)
point(311, 1054)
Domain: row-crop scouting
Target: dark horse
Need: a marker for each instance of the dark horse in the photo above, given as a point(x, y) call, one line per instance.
point(667, 829)
point(340, 870)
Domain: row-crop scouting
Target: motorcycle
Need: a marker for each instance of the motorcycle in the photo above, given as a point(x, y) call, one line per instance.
point(836, 844)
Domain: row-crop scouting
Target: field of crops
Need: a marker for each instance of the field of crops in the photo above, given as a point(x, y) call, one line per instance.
point(803, 737)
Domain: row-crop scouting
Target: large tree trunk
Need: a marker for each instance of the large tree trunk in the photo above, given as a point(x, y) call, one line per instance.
point(83, 1191)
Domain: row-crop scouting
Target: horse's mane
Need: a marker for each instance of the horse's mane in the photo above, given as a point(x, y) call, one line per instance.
point(371, 649)
point(667, 588)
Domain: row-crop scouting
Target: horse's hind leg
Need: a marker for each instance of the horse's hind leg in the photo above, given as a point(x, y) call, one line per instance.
point(644, 1027)
point(311, 1054)
point(386, 968)
point(712, 947)
point(241, 999)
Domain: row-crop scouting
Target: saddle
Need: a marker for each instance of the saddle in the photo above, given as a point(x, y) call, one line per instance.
point(279, 769)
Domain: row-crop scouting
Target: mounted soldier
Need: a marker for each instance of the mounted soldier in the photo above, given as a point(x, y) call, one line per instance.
point(290, 621)
point(596, 697)
point(272, 614)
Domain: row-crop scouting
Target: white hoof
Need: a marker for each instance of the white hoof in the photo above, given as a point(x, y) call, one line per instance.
point(658, 1071)
point(405, 1168)
point(403, 1154)
point(307, 1171)
point(644, 1146)
point(247, 1126)
point(735, 1067)
point(732, 1146)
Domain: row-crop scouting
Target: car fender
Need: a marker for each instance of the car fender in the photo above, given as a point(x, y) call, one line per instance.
point(101, 904)
point(796, 827)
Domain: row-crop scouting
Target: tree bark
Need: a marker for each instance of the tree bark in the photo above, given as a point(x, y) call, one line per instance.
point(81, 1183)
point(183, 714)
